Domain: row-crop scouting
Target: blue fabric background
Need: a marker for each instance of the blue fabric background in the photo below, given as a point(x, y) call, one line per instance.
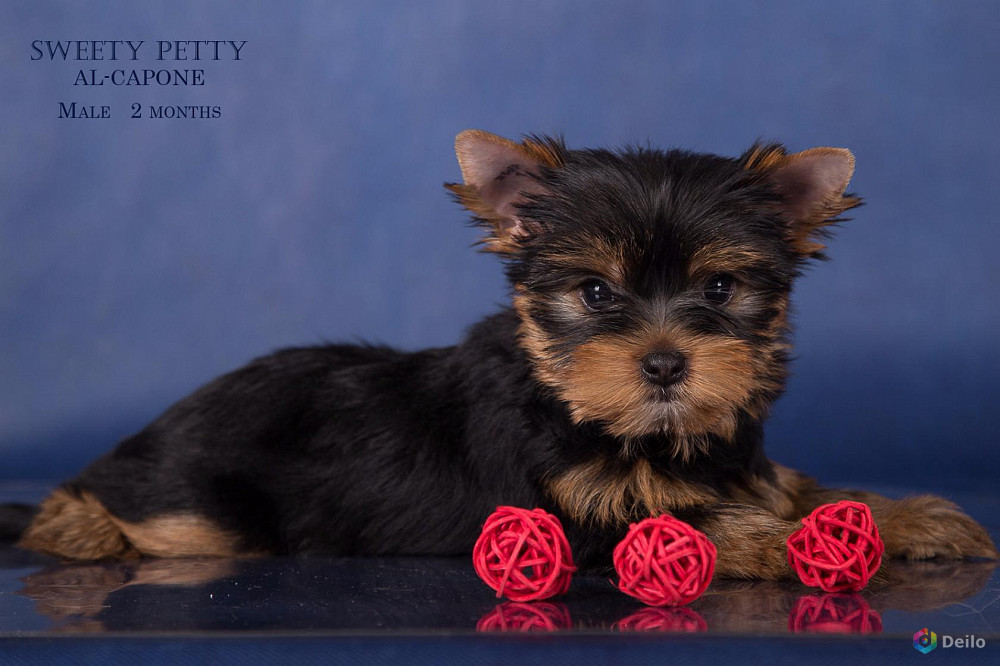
point(140, 258)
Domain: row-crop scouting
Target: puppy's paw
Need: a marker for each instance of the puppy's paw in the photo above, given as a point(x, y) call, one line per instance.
point(927, 526)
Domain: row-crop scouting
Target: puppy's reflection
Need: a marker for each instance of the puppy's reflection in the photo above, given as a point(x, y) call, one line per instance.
point(769, 607)
point(73, 595)
point(442, 593)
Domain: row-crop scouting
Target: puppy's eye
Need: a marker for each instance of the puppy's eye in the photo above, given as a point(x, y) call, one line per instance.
point(719, 288)
point(597, 294)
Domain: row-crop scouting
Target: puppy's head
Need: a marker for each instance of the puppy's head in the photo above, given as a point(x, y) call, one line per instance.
point(653, 286)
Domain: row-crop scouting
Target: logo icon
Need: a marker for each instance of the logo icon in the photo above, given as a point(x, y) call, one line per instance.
point(925, 640)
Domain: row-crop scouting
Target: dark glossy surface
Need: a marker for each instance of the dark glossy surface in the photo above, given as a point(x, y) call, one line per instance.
point(434, 596)
point(443, 595)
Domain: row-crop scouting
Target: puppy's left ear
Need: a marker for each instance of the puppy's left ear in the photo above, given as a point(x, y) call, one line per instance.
point(500, 175)
point(811, 185)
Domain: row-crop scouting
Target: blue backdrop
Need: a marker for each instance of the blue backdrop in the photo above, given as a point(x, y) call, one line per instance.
point(140, 258)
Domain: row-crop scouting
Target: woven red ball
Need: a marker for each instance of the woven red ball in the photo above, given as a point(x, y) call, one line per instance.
point(838, 547)
point(664, 562)
point(523, 555)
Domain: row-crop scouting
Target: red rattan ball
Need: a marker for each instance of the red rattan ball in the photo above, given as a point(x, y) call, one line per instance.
point(664, 562)
point(523, 555)
point(838, 547)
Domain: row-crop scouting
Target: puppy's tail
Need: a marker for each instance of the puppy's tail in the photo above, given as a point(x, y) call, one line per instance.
point(14, 520)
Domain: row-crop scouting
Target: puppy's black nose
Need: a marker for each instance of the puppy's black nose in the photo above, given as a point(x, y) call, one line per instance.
point(663, 368)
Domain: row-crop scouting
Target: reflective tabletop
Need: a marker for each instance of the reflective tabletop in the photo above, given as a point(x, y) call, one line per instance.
point(377, 598)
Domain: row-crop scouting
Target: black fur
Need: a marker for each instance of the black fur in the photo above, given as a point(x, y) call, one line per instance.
point(353, 450)
point(366, 451)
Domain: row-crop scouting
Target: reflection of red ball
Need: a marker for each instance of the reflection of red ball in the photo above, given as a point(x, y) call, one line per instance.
point(834, 614)
point(838, 547)
point(675, 620)
point(526, 617)
point(664, 562)
point(523, 555)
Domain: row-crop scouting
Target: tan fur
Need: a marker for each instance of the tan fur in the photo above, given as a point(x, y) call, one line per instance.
point(925, 526)
point(776, 497)
point(180, 536)
point(720, 257)
point(504, 236)
point(777, 330)
point(534, 341)
point(496, 241)
point(596, 256)
point(765, 157)
point(532, 150)
point(915, 527)
point(723, 257)
point(603, 382)
point(750, 536)
point(750, 542)
point(611, 492)
point(804, 233)
point(77, 526)
point(542, 153)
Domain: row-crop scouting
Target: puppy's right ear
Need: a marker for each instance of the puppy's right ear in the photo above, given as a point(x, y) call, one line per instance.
point(499, 175)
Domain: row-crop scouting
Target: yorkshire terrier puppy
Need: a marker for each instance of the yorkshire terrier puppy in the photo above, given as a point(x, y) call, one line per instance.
point(647, 339)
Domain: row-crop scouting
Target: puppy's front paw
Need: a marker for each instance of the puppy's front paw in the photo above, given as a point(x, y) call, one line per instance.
point(926, 526)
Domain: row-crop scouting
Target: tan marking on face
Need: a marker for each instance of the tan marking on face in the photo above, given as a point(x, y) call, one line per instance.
point(612, 492)
point(723, 258)
point(601, 381)
point(778, 328)
point(534, 341)
point(605, 384)
point(596, 256)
